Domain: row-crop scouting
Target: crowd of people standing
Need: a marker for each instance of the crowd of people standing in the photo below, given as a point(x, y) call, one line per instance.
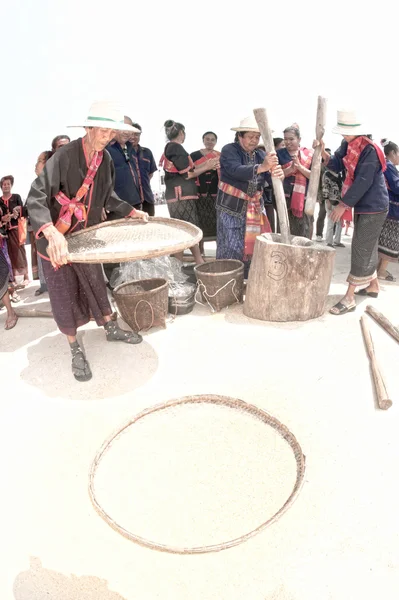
point(229, 195)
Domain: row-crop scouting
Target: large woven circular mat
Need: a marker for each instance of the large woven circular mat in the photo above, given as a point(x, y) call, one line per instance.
point(198, 474)
point(131, 239)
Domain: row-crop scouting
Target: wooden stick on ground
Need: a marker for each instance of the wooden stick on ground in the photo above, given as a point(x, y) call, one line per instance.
point(265, 131)
point(383, 321)
point(314, 180)
point(382, 395)
point(32, 312)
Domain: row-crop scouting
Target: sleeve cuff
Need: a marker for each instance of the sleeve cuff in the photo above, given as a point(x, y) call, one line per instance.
point(132, 213)
point(40, 231)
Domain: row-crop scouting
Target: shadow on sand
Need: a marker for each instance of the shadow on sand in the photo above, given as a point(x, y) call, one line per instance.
point(117, 368)
point(43, 584)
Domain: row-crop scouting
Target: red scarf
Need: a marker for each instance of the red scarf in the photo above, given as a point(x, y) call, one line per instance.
point(298, 193)
point(169, 167)
point(355, 148)
point(75, 206)
point(205, 157)
point(256, 221)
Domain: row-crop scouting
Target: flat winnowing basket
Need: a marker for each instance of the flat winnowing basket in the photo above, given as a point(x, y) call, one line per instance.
point(220, 282)
point(143, 304)
point(131, 239)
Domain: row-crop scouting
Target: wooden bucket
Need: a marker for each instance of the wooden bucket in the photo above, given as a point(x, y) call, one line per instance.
point(143, 304)
point(220, 282)
point(288, 282)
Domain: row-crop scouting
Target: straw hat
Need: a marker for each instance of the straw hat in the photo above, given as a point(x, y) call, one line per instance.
point(247, 124)
point(348, 123)
point(106, 115)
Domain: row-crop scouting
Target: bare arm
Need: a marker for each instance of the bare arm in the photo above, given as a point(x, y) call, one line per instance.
point(206, 166)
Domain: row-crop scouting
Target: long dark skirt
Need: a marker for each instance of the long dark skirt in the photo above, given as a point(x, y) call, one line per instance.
point(206, 207)
point(388, 244)
point(17, 254)
point(76, 292)
point(4, 273)
point(364, 258)
point(185, 210)
point(3, 246)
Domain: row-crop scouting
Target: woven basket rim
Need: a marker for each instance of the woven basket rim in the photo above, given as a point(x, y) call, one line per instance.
point(234, 403)
point(198, 270)
point(140, 281)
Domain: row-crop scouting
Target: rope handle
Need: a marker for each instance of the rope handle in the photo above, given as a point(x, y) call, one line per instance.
point(205, 294)
point(135, 315)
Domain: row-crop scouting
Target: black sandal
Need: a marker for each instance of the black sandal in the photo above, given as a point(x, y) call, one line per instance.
point(115, 334)
point(80, 366)
point(342, 309)
point(364, 292)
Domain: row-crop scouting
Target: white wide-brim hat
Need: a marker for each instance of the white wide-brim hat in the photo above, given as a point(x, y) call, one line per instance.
point(247, 124)
point(348, 124)
point(106, 115)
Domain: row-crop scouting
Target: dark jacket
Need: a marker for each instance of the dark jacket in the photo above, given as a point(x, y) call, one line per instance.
point(127, 184)
point(392, 179)
point(368, 192)
point(65, 171)
point(236, 170)
point(145, 165)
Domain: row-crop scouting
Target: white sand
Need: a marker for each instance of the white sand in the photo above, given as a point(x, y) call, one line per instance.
point(340, 539)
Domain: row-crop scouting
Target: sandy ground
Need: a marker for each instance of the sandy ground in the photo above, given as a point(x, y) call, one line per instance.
point(339, 541)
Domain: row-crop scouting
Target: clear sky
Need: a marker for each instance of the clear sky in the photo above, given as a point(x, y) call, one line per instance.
point(206, 64)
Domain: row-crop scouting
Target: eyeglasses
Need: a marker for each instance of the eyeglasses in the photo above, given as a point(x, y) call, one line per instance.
point(126, 153)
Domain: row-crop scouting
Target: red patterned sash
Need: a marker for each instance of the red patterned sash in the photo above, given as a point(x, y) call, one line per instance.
point(76, 207)
point(298, 193)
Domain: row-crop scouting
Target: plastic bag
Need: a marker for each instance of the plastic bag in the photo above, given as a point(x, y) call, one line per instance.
point(167, 267)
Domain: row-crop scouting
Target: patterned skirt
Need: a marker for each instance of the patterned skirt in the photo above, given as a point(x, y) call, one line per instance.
point(231, 238)
point(364, 257)
point(76, 291)
point(4, 273)
point(388, 244)
point(185, 210)
point(206, 207)
point(17, 254)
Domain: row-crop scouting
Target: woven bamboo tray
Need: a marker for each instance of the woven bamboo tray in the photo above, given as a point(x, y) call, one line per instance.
point(221, 401)
point(131, 239)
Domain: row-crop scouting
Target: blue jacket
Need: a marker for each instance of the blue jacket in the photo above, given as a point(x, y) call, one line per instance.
point(392, 178)
point(368, 192)
point(236, 170)
point(127, 185)
point(146, 164)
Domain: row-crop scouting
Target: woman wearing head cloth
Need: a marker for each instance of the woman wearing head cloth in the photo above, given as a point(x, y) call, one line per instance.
point(365, 191)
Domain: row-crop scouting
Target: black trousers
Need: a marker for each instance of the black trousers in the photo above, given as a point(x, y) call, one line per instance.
point(149, 208)
point(321, 218)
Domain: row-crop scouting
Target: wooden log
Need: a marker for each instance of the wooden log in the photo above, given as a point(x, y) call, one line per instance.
point(382, 395)
point(266, 133)
point(33, 312)
point(383, 321)
point(288, 283)
point(314, 180)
